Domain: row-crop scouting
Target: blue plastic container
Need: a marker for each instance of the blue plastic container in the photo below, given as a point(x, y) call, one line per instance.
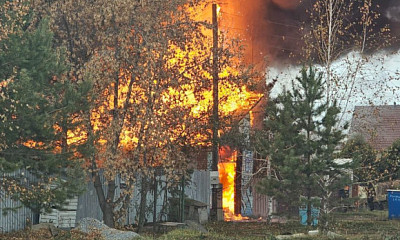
point(393, 198)
point(314, 215)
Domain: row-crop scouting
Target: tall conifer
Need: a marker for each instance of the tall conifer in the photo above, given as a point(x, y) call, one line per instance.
point(300, 138)
point(38, 107)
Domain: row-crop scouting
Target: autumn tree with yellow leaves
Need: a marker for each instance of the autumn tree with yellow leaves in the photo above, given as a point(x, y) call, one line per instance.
point(149, 63)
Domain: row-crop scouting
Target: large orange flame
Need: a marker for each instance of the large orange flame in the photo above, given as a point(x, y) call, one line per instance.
point(227, 174)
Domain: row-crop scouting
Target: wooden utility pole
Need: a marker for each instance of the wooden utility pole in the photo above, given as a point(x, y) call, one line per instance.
point(215, 118)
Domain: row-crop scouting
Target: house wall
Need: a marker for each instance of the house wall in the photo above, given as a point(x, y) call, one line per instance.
point(63, 218)
point(246, 186)
point(262, 204)
point(200, 189)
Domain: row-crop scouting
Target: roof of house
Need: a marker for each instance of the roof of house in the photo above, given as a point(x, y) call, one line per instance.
point(379, 125)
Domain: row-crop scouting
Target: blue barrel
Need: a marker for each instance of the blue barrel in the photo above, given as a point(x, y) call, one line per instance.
point(393, 198)
point(314, 215)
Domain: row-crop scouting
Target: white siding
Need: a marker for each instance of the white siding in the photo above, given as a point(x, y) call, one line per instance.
point(63, 218)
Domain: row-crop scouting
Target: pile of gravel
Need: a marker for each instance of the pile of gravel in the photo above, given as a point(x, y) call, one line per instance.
point(89, 225)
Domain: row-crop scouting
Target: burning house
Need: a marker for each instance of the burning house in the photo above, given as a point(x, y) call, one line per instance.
point(267, 28)
point(237, 170)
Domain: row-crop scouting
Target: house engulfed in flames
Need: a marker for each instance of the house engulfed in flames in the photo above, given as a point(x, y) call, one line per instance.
point(237, 170)
point(237, 166)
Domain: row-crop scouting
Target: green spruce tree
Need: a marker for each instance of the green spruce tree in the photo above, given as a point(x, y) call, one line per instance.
point(300, 138)
point(38, 107)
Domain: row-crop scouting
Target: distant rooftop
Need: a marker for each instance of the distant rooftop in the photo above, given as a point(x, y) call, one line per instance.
point(379, 125)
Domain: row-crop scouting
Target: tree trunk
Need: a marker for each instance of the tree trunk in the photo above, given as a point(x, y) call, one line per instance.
point(108, 215)
point(106, 205)
point(309, 167)
point(325, 204)
point(107, 201)
point(309, 206)
point(143, 202)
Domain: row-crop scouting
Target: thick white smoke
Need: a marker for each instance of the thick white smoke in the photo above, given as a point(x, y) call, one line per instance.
point(393, 13)
point(376, 81)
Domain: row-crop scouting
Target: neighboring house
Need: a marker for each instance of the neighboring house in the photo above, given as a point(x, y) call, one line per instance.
point(379, 125)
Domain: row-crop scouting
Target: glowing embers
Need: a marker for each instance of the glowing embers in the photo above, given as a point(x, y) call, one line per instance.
point(227, 174)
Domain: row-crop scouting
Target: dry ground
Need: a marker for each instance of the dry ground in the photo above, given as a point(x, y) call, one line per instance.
point(351, 225)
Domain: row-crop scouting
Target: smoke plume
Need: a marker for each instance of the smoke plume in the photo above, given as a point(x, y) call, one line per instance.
point(272, 27)
point(286, 4)
point(393, 13)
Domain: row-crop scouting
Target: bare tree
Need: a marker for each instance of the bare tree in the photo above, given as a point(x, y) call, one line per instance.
point(337, 28)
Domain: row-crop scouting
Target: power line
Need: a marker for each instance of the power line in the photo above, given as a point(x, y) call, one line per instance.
point(283, 24)
point(269, 21)
point(268, 35)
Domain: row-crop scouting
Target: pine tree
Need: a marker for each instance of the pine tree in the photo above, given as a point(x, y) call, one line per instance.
point(300, 139)
point(38, 108)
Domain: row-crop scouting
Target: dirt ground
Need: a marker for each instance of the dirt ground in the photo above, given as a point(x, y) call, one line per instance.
point(351, 225)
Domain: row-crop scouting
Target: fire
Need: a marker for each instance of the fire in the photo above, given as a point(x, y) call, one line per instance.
point(234, 97)
point(227, 174)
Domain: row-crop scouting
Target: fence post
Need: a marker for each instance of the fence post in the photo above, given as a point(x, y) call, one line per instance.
point(182, 198)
